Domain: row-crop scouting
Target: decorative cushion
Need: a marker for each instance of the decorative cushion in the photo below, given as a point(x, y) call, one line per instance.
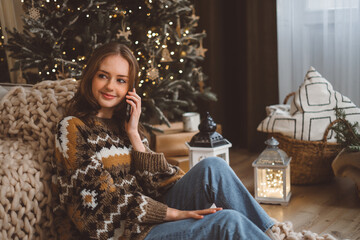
point(310, 112)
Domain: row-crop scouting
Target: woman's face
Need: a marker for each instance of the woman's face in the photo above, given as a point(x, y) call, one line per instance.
point(110, 84)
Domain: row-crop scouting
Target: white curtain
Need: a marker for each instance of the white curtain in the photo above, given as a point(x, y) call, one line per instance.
point(324, 34)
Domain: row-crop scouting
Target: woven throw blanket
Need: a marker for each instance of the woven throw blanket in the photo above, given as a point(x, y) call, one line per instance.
point(28, 118)
point(310, 112)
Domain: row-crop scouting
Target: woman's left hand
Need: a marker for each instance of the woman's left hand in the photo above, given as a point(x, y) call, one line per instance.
point(134, 100)
point(131, 127)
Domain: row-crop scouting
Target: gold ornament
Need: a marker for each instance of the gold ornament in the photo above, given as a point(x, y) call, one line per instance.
point(183, 54)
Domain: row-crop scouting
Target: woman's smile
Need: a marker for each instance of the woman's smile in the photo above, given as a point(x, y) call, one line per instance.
point(107, 96)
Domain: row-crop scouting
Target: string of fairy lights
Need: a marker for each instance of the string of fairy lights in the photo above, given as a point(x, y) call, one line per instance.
point(273, 184)
point(161, 56)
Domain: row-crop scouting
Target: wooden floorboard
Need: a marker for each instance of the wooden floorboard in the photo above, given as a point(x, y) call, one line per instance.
point(323, 208)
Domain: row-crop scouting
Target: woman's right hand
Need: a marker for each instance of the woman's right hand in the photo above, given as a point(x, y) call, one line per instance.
point(173, 214)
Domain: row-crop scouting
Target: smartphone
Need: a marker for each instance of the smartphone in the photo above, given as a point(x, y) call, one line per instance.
point(128, 107)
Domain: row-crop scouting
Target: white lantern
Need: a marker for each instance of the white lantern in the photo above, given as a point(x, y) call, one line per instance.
point(272, 175)
point(207, 143)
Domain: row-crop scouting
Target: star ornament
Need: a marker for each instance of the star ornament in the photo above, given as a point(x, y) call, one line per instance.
point(201, 51)
point(193, 16)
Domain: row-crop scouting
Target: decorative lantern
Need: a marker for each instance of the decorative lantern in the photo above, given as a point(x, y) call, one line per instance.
point(207, 143)
point(272, 175)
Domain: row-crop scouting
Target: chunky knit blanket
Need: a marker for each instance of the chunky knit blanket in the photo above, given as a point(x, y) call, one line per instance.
point(285, 231)
point(28, 118)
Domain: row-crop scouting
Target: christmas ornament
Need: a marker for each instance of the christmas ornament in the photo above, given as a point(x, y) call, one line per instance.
point(165, 56)
point(183, 54)
point(152, 73)
point(193, 17)
point(123, 33)
point(201, 51)
point(34, 12)
point(200, 75)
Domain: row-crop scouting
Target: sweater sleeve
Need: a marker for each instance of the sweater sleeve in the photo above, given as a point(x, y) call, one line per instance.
point(155, 174)
point(92, 200)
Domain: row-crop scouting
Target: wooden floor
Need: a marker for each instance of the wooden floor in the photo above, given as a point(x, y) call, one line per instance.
point(325, 208)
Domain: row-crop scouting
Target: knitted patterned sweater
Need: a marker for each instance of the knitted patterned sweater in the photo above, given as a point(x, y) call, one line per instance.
point(106, 189)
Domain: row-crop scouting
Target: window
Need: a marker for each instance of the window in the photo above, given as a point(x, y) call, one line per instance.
point(324, 34)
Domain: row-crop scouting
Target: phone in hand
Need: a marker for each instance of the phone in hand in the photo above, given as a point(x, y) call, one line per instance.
point(128, 107)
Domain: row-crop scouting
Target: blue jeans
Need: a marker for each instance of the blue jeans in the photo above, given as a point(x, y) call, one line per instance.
point(213, 181)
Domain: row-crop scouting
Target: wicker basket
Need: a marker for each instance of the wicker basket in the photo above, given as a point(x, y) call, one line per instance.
point(311, 160)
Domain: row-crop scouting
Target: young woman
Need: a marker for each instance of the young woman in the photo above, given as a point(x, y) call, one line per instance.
point(110, 185)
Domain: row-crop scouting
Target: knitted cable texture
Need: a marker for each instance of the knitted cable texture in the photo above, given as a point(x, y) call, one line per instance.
point(28, 118)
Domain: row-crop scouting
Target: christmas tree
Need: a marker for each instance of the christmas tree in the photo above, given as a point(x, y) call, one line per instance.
point(60, 35)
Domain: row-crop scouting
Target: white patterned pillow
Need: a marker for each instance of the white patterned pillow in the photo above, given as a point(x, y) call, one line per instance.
point(310, 112)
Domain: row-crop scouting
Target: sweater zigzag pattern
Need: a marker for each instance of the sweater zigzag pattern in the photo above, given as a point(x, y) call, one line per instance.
point(105, 189)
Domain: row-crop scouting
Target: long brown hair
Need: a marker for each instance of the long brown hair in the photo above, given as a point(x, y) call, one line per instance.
point(84, 105)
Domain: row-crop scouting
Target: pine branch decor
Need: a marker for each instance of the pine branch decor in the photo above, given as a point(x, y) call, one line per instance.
point(347, 134)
